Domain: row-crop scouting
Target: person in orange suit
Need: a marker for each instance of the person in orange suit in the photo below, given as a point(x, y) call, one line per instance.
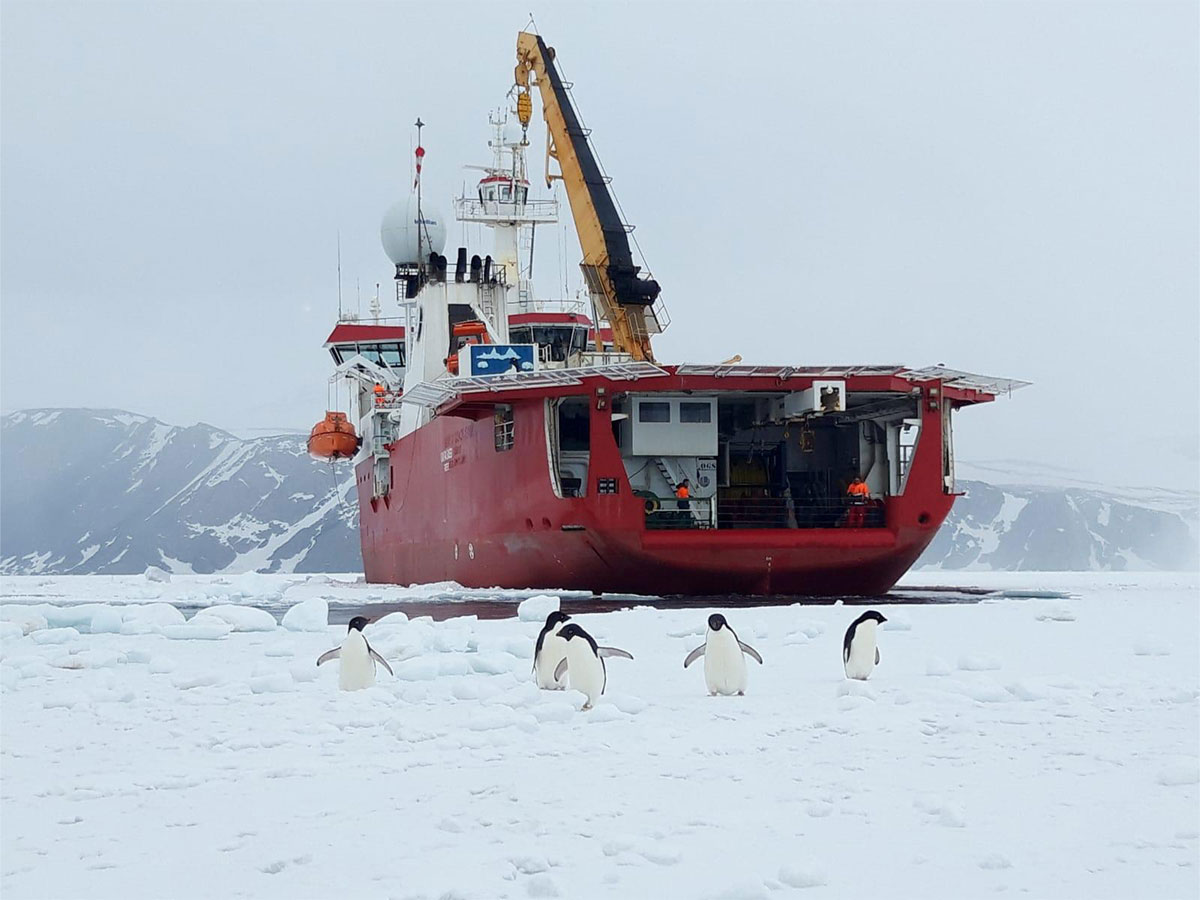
point(681, 495)
point(859, 494)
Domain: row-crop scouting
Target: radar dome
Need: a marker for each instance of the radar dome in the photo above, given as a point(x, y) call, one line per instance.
point(399, 231)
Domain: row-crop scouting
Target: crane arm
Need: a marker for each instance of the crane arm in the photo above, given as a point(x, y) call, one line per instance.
point(622, 296)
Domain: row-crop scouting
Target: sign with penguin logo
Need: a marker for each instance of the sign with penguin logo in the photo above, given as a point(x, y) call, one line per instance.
point(500, 359)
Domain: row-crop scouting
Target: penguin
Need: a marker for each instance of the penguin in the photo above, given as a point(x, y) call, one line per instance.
point(585, 663)
point(724, 664)
point(860, 654)
point(357, 656)
point(548, 651)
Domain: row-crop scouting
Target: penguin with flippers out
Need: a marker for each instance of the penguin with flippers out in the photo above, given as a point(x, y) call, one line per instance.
point(724, 658)
point(584, 663)
point(860, 652)
point(357, 658)
point(549, 651)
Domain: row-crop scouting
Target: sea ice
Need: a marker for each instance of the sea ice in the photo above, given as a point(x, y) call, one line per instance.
point(535, 609)
point(198, 628)
point(156, 575)
point(106, 621)
point(54, 635)
point(803, 875)
point(737, 798)
point(308, 615)
point(240, 618)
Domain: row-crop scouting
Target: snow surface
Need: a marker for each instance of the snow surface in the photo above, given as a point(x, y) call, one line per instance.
point(1043, 747)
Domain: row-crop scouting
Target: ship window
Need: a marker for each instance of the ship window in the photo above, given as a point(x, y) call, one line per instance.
point(574, 424)
point(654, 411)
point(504, 427)
point(522, 193)
point(520, 335)
point(370, 352)
point(578, 340)
point(506, 193)
point(556, 338)
point(392, 355)
point(692, 412)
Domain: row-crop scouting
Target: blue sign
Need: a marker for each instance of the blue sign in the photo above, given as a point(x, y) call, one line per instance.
point(501, 359)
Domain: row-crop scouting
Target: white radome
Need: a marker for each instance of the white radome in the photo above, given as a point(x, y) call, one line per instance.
point(512, 134)
point(398, 232)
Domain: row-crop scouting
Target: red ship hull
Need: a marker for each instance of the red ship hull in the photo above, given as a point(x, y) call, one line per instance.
point(459, 510)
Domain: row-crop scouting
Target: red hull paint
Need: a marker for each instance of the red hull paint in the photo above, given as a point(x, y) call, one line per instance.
point(460, 510)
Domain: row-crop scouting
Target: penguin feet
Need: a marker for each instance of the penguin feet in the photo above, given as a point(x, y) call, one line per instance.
point(741, 693)
point(586, 707)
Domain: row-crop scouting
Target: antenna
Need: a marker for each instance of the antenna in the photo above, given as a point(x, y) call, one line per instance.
point(358, 291)
point(339, 267)
point(422, 229)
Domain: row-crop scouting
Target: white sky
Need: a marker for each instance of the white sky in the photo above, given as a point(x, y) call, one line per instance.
point(1009, 188)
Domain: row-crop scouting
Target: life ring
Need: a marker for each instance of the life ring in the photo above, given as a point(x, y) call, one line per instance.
point(651, 505)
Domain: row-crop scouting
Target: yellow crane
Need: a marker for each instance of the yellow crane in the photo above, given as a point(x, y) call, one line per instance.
point(623, 297)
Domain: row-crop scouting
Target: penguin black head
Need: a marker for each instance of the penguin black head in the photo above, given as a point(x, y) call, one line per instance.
point(717, 621)
point(574, 631)
point(556, 618)
point(571, 631)
point(870, 614)
point(358, 623)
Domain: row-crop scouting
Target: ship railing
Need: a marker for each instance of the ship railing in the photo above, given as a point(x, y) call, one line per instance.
point(586, 359)
point(471, 209)
point(785, 512)
point(672, 514)
point(529, 305)
point(389, 399)
point(733, 513)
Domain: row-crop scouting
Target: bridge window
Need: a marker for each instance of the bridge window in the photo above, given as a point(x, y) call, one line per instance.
point(654, 411)
point(393, 354)
point(690, 411)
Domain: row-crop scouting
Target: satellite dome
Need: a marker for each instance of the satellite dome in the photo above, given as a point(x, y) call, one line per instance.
point(399, 231)
point(512, 134)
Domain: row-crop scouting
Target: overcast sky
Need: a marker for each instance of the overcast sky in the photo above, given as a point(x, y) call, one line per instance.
point(1008, 188)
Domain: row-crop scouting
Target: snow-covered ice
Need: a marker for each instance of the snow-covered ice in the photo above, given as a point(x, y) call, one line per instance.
point(1012, 747)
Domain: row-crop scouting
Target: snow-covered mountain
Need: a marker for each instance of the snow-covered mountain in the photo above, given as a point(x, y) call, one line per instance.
point(107, 492)
point(1040, 527)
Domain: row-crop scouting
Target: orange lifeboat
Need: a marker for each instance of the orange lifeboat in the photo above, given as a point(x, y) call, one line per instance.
point(333, 438)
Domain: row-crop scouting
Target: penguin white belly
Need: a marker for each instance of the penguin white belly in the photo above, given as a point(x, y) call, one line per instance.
point(724, 664)
point(585, 671)
point(554, 649)
point(862, 651)
point(357, 669)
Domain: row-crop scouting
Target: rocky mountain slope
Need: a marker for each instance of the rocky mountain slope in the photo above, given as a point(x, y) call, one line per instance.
point(109, 492)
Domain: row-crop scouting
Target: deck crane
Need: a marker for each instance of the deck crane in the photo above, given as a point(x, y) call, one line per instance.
point(623, 297)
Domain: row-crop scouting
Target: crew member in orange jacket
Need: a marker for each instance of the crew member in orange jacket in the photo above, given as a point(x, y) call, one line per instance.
point(859, 495)
point(681, 495)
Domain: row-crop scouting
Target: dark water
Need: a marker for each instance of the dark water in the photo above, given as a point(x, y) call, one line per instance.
point(495, 605)
point(501, 607)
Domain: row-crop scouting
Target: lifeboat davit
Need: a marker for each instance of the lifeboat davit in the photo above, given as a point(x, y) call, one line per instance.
point(333, 438)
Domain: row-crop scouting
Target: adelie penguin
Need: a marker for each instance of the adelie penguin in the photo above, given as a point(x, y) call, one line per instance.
point(549, 651)
point(724, 662)
point(357, 658)
point(584, 663)
point(860, 653)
